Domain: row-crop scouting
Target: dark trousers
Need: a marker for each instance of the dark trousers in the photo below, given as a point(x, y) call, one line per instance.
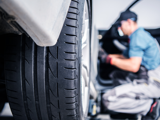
point(120, 77)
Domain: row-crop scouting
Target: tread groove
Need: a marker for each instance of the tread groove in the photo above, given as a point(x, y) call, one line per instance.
point(12, 97)
point(70, 89)
point(69, 79)
point(27, 81)
point(71, 26)
point(11, 90)
point(26, 60)
point(14, 103)
point(71, 109)
point(73, 7)
point(52, 92)
point(71, 103)
point(57, 69)
point(17, 114)
point(47, 85)
point(70, 35)
point(70, 59)
point(59, 116)
point(70, 52)
point(28, 98)
point(51, 71)
point(26, 45)
point(70, 43)
point(53, 116)
point(51, 54)
point(71, 18)
point(70, 68)
point(53, 105)
point(11, 70)
point(57, 52)
point(73, 13)
point(58, 104)
point(22, 53)
point(57, 91)
point(73, 115)
point(71, 97)
point(30, 110)
point(16, 110)
point(11, 80)
point(36, 83)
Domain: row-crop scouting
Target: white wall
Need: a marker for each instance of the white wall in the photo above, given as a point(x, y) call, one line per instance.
point(105, 12)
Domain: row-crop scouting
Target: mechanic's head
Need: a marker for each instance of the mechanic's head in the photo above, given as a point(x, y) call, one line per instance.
point(128, 22)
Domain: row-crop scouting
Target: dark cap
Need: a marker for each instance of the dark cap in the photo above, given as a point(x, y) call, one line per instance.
point(128, 15)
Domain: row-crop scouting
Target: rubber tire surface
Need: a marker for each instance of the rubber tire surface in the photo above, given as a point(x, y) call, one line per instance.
point(1, 106)
point(3, 97)
point(2, 48)
point(43, 83)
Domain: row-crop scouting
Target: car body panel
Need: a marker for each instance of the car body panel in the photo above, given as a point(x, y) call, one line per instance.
point(43, 22)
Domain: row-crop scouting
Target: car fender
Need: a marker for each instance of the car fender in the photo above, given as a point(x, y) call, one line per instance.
point(42, 20)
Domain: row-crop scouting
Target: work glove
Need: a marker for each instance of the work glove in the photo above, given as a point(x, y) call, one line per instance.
point(103, 56)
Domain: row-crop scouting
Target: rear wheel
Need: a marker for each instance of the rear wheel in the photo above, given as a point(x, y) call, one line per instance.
point(51, 83)
point(3, 97)
point(1, 106)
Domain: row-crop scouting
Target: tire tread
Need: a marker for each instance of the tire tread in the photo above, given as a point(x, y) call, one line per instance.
point(46, 76)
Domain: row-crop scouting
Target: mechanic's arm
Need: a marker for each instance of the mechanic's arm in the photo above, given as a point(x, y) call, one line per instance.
point(130, 64)
point(117, 56)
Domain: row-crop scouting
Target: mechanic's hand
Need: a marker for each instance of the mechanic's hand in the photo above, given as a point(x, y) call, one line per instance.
point(103, 56)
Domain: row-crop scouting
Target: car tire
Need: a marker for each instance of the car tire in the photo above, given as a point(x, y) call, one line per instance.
point(3, 97)
point(44, 83)
point(1, 106)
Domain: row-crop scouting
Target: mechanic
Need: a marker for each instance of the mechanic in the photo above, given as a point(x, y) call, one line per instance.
point(140, 64)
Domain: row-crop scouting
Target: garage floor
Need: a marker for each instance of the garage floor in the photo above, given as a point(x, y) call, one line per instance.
point(7, 115)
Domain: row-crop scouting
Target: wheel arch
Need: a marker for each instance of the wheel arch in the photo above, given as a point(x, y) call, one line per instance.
point(42, 21)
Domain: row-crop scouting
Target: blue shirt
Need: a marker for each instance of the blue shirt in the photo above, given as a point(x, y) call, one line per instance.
point(143, 45)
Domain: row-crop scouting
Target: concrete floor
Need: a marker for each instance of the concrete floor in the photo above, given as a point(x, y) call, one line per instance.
point(7, 115)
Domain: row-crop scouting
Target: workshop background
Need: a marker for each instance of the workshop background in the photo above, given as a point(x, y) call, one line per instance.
point(106, 12)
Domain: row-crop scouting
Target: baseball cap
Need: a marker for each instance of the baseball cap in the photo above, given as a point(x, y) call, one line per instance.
point(127, 15)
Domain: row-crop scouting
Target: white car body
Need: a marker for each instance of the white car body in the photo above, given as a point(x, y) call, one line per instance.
point(42, 22)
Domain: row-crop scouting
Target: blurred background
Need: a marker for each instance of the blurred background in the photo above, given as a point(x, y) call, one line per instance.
point(106, 12)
